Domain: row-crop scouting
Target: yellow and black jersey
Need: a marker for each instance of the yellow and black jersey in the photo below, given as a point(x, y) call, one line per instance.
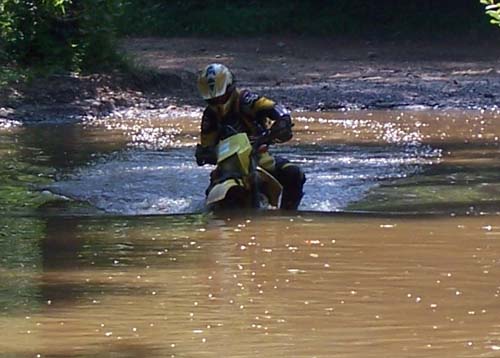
point(248, 112)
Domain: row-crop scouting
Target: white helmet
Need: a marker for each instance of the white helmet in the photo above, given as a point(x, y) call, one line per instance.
point(214, 81)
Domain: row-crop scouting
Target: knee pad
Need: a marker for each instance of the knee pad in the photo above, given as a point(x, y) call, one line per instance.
point(292, 176)
point(292, 179)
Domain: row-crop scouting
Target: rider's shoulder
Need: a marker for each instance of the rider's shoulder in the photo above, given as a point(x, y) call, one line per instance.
point(248, 98)
point(253, 102)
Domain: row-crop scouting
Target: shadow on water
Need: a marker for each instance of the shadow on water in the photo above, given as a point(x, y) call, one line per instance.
point(63, 146)
point(73, 264)
point(181, 284)
point(45, 261)
point(61, 250)
point(123, 349)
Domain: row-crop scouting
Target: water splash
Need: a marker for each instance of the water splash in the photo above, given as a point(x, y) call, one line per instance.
point(9, 124)
point(169, 182)
point(339, 175)
point(157, 174)
point(140, 182)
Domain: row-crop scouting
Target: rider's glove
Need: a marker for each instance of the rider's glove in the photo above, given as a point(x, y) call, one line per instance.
point(281, 130)
point(205, 155)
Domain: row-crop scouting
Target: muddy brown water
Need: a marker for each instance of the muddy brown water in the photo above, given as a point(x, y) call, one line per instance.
point(406, 265)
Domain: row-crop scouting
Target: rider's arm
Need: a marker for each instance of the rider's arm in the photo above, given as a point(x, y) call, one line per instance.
point(269, 115)
point(281, 128)
point(209, 129)
point(205, 153)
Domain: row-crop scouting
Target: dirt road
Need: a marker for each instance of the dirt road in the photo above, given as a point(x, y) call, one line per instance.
point(331, 74)
point(302, 73)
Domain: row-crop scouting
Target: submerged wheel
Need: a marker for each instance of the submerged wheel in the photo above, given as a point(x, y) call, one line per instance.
point(237, 197)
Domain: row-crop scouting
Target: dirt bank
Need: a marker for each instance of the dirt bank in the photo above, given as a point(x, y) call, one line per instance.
point(305, 73)
point(325, 74)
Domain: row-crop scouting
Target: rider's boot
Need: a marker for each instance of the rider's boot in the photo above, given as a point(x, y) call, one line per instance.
point(292, 179)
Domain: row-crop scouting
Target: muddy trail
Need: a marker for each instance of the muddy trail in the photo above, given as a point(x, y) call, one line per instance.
point(319, 74)
point(303, 73)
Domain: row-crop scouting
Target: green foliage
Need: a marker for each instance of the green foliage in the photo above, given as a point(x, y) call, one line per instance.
point(314, 17)
point(65, 34)
point(80, 34)
point(10, 75)
point(493, 10)
point(16, 178)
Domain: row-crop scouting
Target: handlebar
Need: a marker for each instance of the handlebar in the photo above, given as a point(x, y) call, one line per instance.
point(207, 155)
point(269, 137)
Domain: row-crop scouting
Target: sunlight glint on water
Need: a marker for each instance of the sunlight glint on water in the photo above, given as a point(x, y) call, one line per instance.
point(162, 177)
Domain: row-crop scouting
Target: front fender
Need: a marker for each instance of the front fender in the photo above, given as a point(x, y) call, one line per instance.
point(219, 191)
point(273, 187)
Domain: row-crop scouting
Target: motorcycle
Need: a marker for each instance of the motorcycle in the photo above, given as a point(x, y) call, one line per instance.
point(238, 181)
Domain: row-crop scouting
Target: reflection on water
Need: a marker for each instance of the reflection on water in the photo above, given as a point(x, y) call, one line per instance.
point(407, 264)
point(262, 285)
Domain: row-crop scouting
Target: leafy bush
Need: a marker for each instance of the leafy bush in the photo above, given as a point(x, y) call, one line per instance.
point(65, 34)
point(9, 75)
point(314, 17)
point(80, 34)
point(493, 10)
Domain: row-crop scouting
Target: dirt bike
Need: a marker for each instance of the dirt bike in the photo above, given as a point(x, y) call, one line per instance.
point(238, 181)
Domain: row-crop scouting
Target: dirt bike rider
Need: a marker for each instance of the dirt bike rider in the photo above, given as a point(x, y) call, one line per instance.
point(245, 111)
